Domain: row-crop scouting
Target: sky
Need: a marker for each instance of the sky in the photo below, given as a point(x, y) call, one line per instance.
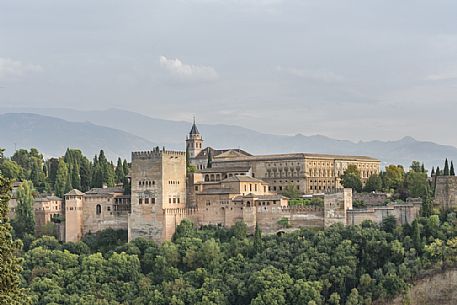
point(358, 70)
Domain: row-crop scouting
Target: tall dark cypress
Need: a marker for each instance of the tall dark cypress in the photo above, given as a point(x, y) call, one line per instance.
point(452, 171)
point(433, 171)
point(446, 168)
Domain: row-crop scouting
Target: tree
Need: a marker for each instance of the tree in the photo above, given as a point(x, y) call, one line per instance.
point(452, 171)
point(374, 183)
point(389, 223)
point(394, 176)
point(433, 171)
point(351, 178)
point(446, 168)
point(210, 158)
point(438, 171)
point(10, 280)
point(61, 184)
point(24, 221)
point(258, 245)
point(119, 171)
point(291, 192)
point(416, 167)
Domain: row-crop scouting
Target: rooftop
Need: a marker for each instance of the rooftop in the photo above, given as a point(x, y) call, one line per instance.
point(294, 156)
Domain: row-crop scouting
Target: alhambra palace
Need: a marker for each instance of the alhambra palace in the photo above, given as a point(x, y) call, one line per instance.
point(224, 187)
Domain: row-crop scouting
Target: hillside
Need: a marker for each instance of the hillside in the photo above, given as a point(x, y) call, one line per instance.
point(53, 136)
point(172, 134)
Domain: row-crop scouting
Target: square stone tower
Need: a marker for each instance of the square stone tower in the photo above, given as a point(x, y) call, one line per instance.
point(158, 184)
point(73, 215)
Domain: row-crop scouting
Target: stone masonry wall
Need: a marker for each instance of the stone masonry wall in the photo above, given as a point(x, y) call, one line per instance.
point(446, 192)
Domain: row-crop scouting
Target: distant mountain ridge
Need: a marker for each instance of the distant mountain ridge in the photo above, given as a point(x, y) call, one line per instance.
point(52, 136)
point(172, 134)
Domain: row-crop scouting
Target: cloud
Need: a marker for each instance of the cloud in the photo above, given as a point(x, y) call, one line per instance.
point(320, 76)
point(442, 76)
point(185, 72)
point(14, 69)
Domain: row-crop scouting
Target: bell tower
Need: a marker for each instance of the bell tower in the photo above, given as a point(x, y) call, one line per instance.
point(194, 142)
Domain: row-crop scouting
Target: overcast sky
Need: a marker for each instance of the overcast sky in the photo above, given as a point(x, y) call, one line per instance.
point(358, 70)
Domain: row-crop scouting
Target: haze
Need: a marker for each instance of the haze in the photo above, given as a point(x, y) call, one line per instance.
point(358, 70)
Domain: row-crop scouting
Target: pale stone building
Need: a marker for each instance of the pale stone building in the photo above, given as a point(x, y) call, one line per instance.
point(93, 211)
point(49, 209)
point(158, 180)
point(308, 173)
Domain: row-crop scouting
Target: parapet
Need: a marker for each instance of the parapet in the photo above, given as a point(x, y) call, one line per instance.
point(181, 211)
point(156, 153)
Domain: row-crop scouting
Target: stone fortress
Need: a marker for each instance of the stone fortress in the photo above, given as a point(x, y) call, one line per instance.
point(224, 187)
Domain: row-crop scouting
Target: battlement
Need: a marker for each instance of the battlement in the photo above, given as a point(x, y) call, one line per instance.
point(156, 153)
point(181, 211)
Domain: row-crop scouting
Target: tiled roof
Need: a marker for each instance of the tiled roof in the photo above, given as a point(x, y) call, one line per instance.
point(104, 190)
point(294, 156)
point(239, 178)
point(74, 192)
point(224, 169)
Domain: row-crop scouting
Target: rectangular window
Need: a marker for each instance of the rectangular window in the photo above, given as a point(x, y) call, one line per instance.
point(140, 200)
point(153, 200)
point(146, 200)
point(174, 199)
point(169, 200)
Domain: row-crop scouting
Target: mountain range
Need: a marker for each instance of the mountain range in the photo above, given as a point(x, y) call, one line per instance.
point(119, 132)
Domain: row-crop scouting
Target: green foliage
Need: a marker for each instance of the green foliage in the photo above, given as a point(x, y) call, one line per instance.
point(351, 179)
point(10, 290)
point(61, 185)
point(284, 223)
point(394, 176)
point(374, 184)
point(290, 191)
point(340, 265)
point(446, 171)
point(315, 201)
point(24, 221)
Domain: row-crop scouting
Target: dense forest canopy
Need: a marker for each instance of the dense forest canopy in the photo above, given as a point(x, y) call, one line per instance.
point(341, 265)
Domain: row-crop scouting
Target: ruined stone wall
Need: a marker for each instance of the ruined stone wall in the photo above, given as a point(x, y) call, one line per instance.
point(298, 217)
point(336, 206)
point(403, 213)
point(372, 199)
point(446, 192)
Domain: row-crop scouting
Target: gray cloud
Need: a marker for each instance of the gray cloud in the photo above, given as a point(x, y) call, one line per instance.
point(15, 69)
point(185, 72)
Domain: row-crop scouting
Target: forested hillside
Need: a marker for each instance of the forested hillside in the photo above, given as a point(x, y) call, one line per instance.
point(342, 265)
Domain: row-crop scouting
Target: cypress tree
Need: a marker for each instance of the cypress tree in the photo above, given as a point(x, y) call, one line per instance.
point(210, 159)
point(61, 179)
point(438, 171)
point(85, 175)
point(125, 166)
point(452, 172)
point(446, 168)
point(433, 171)
point(257, 239)
point(119, 171)
point(24, 221)
point(10, 280)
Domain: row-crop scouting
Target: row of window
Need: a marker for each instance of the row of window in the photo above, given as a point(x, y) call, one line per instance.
point(143, 183)
point(173, 182)
point(174, 200)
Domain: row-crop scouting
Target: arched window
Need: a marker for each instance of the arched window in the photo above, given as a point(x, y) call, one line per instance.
point(98, 209)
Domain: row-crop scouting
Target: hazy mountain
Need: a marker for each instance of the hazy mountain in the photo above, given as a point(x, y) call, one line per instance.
point(172, 134)
point(53, 136)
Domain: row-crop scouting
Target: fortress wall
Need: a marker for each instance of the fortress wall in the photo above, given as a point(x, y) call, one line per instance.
point(446, 192)
point(372, 199)
point(93, 222)
point(403, 213)
point(298, 217)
